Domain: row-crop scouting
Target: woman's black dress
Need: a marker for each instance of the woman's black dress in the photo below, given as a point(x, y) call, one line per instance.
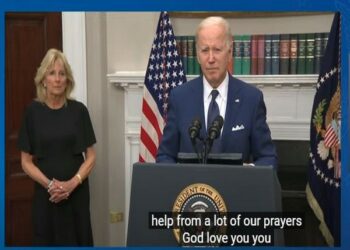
point(57, 139)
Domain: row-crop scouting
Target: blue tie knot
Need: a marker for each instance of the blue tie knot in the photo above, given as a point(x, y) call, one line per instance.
point(214, 94)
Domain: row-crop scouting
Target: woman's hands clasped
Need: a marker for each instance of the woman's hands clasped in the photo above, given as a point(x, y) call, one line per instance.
point(61, 190)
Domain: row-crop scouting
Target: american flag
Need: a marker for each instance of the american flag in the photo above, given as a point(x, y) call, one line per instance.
point(324, 172)
point(164, 72)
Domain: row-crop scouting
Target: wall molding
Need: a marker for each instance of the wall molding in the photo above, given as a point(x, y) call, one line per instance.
point(292, 92)
point(132, 79)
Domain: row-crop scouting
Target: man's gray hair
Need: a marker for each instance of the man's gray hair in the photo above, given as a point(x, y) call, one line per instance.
point(216, 20)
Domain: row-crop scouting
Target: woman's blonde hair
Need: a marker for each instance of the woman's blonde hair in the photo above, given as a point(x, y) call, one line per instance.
point(52, 55)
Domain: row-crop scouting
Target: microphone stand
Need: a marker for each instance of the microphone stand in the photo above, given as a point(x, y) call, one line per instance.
point(213, 133)
point(194, 131)
point(208, 143)
point(194, 145)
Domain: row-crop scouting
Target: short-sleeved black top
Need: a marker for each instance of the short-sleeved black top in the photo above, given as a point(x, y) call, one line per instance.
point(57, 139)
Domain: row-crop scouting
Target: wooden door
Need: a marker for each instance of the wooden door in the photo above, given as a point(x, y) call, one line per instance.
point(28, 37)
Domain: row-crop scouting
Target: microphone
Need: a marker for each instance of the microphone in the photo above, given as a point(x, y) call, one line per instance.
point(213, 133)
point(215, 128)
point(194, 129)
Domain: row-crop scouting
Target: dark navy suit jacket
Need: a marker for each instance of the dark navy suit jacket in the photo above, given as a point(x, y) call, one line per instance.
point(245, 129)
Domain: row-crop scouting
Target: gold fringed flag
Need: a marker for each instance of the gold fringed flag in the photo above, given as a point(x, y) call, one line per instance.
point(324, 173)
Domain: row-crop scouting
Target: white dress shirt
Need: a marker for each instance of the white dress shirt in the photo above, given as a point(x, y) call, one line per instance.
point(221, 99)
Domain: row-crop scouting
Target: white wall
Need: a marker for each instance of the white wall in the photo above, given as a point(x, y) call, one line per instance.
point(97, 104)
point(130, 36)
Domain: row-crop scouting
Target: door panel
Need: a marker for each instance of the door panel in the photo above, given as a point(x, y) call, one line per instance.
point(28, 37)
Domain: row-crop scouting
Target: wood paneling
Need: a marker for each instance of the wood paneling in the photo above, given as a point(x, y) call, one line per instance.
point(28, 37)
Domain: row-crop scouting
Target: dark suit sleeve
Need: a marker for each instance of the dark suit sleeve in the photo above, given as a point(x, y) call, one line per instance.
point(169, 146)
point(263, 149)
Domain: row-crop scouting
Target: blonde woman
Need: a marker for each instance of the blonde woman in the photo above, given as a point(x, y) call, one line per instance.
point(56, 141)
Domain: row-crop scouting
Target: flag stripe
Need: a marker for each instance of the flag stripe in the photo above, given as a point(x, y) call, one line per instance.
point(151, 147)
point(331, 138)
point(150, 130)
point(152, 113)
point(141, 159)
point(145, 154)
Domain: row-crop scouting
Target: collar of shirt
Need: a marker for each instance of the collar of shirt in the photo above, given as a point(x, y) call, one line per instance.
point(220, 99)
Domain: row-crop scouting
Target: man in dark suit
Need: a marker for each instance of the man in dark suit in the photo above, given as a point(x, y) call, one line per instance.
point(241, 105)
